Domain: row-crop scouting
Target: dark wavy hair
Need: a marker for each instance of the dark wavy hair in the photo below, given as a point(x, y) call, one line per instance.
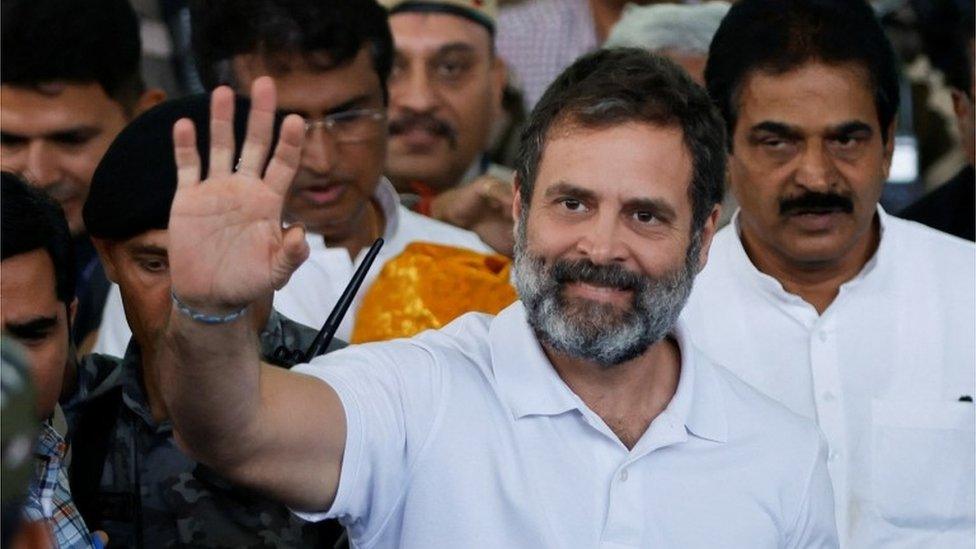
point(31, 220)
point(276, 29)
point(777, 36)
point(616, 86)
point(77, 41)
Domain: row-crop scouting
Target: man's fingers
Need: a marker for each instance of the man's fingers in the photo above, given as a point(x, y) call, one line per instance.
point(260, 123)
point(221, 132)
point(294, 251)
point(287, 156)
point(185, 151)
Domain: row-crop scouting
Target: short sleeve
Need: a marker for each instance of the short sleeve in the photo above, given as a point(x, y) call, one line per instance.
point(392, 394)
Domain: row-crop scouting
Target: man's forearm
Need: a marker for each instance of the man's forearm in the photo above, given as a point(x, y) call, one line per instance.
point(210, 381)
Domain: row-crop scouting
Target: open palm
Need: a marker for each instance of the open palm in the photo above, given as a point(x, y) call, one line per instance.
point(227, 247)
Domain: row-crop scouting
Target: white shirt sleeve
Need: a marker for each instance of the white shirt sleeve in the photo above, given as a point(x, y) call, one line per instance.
point(392, 394)
point(815, 526)
point(113, 333)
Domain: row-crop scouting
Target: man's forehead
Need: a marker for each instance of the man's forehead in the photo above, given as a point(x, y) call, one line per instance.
point(814, 95)
point(34, 111)
point(312, 83)
point(24, 276)
point(426, 33)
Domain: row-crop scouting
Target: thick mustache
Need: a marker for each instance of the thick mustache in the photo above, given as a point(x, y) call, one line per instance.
point(815, 202)
point(407, 122)
point(610, 276)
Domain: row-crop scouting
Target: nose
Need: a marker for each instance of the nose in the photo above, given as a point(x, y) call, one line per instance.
point(41, 164)
point(413, 91)
point(319, 152)
point(815, 171)
point(602, 241)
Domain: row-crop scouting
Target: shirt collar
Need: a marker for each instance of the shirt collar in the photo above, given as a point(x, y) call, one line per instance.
point(50, 444)
point(529, 384)
point(526, 379)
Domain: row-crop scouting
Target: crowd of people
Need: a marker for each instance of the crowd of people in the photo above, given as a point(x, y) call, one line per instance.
point(626, 277)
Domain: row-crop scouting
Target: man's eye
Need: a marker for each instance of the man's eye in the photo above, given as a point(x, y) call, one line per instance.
point(645, 217)
point(450, 69)
point(572, 204)
point(72, 139)
point(154, 265)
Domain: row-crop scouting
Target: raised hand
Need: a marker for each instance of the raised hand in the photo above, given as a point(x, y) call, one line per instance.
point(483, 206)
point(227, 247)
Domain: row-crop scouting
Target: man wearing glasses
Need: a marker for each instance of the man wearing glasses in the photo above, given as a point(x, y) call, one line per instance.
point(330, 63)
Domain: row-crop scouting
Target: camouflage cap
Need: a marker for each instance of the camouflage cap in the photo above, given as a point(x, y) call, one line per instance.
point(18, 423)
point(484, 12)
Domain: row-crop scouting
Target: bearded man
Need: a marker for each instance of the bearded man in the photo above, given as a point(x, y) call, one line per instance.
point(579, 416)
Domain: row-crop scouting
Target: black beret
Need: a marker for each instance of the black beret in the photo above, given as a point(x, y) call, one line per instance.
point(134, 184)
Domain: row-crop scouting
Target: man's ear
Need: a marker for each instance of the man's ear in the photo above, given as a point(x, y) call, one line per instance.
point(499, 79)
point(72, 311)
point(149, 99)
point(889, 149)
point(105, 248)
point(707, 234)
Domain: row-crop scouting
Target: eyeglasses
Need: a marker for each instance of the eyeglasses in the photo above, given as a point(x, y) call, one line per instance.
point(350, 126)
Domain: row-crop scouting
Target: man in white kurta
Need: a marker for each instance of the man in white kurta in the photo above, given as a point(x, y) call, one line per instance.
point(886, 371)
point(818, 298)
point(315, 287)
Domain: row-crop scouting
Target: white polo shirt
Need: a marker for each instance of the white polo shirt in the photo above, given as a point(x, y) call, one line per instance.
point(315, 287)
point(467, 437)
point(882, 372)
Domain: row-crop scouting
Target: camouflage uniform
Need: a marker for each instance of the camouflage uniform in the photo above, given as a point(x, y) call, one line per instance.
point(181, 502)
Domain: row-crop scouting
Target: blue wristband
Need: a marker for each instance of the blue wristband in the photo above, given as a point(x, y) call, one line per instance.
point(203, 317)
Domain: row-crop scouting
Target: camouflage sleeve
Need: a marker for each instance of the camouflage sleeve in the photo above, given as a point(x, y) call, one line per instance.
point(283, 340)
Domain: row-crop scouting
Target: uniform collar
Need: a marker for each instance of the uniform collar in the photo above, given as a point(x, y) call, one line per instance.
point(530, 386)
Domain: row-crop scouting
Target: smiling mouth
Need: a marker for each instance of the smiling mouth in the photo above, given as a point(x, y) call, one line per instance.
point(602, 294)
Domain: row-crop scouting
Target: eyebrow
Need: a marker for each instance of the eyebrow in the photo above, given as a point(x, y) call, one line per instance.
point(778, 128)
point(564, 188)
point(356, 102)
point(31, 327)
point(148, 249)
point(455, 47)
point(853, 126)
point(74, 131)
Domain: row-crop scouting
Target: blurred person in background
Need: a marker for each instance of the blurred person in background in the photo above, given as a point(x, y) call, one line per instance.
point(951, 207)
point(70, 81)
point(445, 95)
point(539, 38)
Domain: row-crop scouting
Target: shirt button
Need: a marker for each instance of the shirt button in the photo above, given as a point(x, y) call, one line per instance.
point(834, 454)
point(823, 335)
point(623, 475)
point(828, 397)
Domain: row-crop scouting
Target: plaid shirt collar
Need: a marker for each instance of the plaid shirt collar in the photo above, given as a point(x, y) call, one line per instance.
point(49, 498)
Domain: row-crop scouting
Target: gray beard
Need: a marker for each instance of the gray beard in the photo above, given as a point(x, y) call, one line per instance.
point(599, 332)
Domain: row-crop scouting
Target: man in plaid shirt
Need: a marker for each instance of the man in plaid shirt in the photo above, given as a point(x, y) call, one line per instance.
point(37, 303)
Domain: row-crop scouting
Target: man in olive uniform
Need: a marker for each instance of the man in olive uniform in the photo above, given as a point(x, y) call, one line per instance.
point(131, 478)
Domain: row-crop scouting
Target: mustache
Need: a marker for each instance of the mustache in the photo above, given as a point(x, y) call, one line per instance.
point(427, 122)
point(816, 202)
point(610, 276)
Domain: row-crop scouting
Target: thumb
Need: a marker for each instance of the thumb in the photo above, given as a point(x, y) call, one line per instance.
point(293, 252)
